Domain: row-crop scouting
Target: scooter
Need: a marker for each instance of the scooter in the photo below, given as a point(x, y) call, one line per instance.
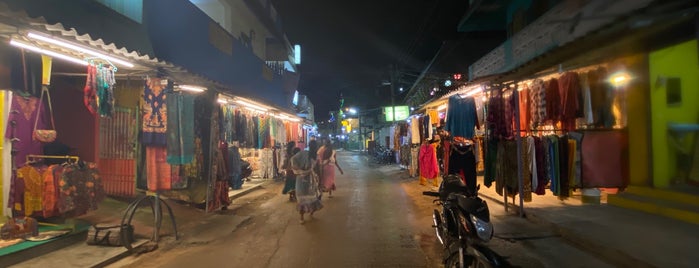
point(463, 225)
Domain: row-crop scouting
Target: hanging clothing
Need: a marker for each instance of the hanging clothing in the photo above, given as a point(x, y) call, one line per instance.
point(90, 89)
point(537, 105)
point(524, 114)
point(461, 117)
point(586, 99)
point(154, 113)
point(462, 162)
point(81, 189)
point(415, 130)
point(51, 193)
point(569, 89)
point(541, 166)
point(23, 112)
point(105, 90)
point(33, 190)
point(553, 100)
point(414, 160)
point(234, 168)
point(158, 170)
point(180, 125)
point(428, 163)
point(491, 157)
point(532, 163)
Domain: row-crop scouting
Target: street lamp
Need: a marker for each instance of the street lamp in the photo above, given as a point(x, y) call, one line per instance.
point(353, 110)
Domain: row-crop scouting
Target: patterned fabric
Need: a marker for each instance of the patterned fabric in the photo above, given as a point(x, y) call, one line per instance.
point(33, 190)
point(81, 189)
point(537, 98)
point(90, 89)
point(51, 190)
point(414, 161)
point(154, 113)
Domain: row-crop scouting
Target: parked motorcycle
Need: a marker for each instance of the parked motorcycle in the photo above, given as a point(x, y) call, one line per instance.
point(463, 226)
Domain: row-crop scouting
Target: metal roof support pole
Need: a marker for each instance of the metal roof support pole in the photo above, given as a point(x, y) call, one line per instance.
point(518, 137)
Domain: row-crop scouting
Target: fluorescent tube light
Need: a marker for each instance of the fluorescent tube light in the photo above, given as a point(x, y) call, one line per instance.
point(47, 52)
point(191, 88)
point(222, 100)
point(250, 105)
point(79, 49)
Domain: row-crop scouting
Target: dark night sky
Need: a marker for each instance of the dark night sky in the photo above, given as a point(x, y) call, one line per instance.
point(348, 46)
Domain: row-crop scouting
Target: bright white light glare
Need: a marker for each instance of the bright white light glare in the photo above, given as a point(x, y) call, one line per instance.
point(250, 105)
point(47, 52)
point(412, 108)
point(441, 107)
point(297, 54)
point(353, 111)
point(222, 100)
point(192, 88)
point(474, 91)
point(619, 79)
point(401, 89)
point(354, 131)
point(79, 49)
point(447, 83)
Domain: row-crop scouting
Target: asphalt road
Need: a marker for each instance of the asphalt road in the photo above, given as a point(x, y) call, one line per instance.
point(377, 218)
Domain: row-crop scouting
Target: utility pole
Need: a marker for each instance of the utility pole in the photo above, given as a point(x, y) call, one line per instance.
point(393, 82)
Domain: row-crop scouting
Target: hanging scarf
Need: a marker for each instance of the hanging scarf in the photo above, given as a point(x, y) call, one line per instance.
point(154, 113)
point(180, 123)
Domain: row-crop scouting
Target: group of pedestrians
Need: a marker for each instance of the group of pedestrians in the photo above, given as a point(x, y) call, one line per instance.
point(309, 174)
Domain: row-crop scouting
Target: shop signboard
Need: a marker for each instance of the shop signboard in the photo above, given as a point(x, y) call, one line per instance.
point(402, 113)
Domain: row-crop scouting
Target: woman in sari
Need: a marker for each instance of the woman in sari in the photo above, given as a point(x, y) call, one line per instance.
point(307, 192)
point(328, 162)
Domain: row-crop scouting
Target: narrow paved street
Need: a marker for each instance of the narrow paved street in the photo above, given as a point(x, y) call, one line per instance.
point(377, 218)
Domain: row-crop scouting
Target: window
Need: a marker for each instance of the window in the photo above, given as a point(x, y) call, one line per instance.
point(133, 9)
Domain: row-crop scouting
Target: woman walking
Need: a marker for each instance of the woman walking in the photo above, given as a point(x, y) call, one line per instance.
point(328, 162)
point(307, 192)
point(290, 178)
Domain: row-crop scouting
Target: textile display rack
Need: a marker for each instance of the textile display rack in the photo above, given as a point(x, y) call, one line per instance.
point(33, 157)
point(155, 202)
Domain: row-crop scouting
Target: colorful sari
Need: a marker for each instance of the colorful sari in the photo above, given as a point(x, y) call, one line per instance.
point(307, 192)
point(327, 170)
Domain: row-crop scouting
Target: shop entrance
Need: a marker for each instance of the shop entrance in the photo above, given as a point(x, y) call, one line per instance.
point(117, 158)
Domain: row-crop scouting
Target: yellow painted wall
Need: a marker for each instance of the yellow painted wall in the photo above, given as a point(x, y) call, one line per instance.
point(675, 61)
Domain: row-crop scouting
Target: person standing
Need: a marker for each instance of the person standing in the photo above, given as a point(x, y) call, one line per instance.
point(289, 177)
point(307, 191)
point(328, 162)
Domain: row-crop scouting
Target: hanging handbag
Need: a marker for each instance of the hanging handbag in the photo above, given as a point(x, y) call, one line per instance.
point(44, 135)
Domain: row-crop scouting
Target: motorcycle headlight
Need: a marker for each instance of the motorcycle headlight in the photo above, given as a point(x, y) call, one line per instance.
point(484, 229)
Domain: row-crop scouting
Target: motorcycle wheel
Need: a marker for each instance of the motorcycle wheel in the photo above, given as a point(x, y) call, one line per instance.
point(457, 258)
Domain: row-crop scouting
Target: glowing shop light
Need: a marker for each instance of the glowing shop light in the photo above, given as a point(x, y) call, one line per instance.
point(46, 52)
point(79, 49)
point(353, 111)
point(297, 54)
point(441, 107)
point(251, 105)
point(192, 88)
point(619, 79)
point(222, 101)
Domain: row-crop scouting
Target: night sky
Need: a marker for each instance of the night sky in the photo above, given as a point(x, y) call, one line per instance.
point(348, 46)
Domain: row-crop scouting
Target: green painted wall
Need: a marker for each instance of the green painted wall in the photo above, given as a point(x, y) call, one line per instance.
point(675, 61)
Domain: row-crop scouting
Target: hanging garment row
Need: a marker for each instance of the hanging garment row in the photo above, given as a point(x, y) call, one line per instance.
point(69, 189)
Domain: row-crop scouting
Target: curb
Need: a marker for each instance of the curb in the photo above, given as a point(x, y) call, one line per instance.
point(136, 245)
point(247, 190)
point(611, 255)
